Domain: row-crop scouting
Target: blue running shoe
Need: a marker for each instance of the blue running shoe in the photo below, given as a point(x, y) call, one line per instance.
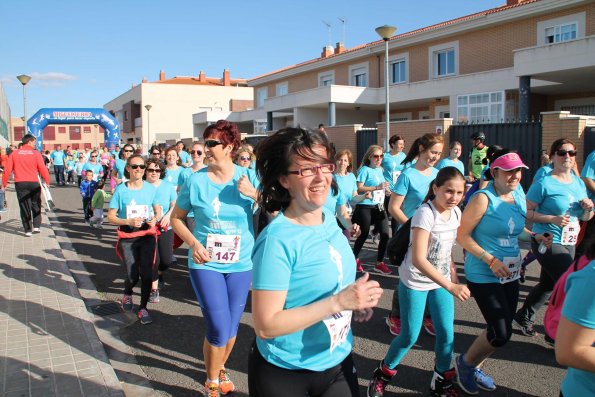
point(484, 381)
point(466, 376)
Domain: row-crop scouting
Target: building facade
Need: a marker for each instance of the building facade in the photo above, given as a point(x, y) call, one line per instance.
point(77, 136)
point(4, 119)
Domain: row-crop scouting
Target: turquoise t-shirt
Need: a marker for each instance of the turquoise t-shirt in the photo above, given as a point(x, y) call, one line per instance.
point(183, 178)
point(165, 195)
point(220, 209)
point(333, 200)
point(124, 197)
point(173, 176)
point(96, 168)
point(70, 165)
point(58, 157)
point(78, 167)
point(414, 186)
point(120, 166)
point(581, 311)
point(185, 157)
point(347, 186)
point(392, 166)
point(588, 171)
point(370, 177)
point(448, 162)
point(310, 263)
point(497, 233)
point(556, 198)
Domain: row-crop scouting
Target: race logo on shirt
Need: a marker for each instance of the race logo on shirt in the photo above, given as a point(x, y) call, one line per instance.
point(216, 206)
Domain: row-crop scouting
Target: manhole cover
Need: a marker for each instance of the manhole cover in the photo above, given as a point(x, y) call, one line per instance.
point(105, 309)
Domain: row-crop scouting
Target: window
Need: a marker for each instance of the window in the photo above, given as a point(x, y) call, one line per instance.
point(326, 79)
point(444, 60)
point(75, 133)
point(397, 71)
point(261, 95)
point(88, 145)
point(18, 133)
point(62, 130)
point(87, 129)
point(561, 29)
point(282, 89)
point(558, 33)
point(75, 146)
point(260, 127)
point(49, 133)
point(358, 75)
point(125, 115)
point(481, 108)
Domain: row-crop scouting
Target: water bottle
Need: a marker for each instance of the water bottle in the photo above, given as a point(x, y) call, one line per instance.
point(542, 247)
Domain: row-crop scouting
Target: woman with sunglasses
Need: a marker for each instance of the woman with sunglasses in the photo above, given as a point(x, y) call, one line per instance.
point(222, 197)
point(555, 204)
point(245, 157)
point(120, 165)
point(135, 210)
point(155, 153)
point(304, 292)
point(198, 163)
point(94, 166)
point(371, 210)
point(173, 167)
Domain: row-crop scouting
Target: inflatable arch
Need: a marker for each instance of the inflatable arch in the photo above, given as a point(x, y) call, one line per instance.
point(45, 116)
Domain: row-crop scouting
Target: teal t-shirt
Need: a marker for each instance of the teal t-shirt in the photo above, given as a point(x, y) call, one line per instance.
point(164, 195)
point(588, 171)
point(124, 197)
point(220, 209)
point(310, 263)
point(370, 177)
point(96, 168)
point(392, 166)
point(414, 186)
point(120, 165)
point(70, 165)
point(556, 198)
point(58, 157)
point(185, 157)
point(580, 310)
point(173, 176)
point(333, 200)
point(497, 233)
point(347, 186)
point(184, 176)
point(448, 162)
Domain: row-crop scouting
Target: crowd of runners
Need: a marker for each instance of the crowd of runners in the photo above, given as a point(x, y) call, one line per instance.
point(288, 221)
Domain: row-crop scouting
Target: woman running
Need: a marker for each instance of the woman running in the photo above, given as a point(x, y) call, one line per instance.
point(173, 167)
point(120, 165)
point(453, 159)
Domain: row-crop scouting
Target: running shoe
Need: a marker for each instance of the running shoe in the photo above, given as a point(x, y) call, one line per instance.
point(212, 390)
point(360, 268)
point(466, 376)
point(484, 381)
point(381, 378)
point(144, 316)
point(442, 386)
point(28, 234)
point(382, 268)
point(154, 297)
point(225, 383)
point(127, 303)
point(526, 330)
point(394, 324)
point(428, 325)
point(36, 230)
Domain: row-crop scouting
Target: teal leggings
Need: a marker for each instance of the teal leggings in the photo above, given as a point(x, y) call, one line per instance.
point(442, 309)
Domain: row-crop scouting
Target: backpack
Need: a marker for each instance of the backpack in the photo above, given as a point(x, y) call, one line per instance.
point(397, 246)
point(554, 308)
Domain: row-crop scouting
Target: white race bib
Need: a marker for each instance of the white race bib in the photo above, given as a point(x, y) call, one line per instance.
point(224, 248)
point(570, 233)
point(378, 197)
point(514, 267)
point(338, 326)
point(137, 211)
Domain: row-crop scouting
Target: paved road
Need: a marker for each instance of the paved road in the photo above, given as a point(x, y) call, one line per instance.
point(170, 354)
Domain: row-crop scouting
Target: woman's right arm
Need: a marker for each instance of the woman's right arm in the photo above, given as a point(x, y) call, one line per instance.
point(394, 207)
point(112, 217)
point(574, 345)
point(199, 252)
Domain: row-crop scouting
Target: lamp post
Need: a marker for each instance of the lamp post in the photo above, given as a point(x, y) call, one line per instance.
point(148, 107)
point(24, 79)
point(386, 32)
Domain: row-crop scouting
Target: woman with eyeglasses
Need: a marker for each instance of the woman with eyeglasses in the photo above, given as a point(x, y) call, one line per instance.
point(94, 166)
point(222, 197)
point(173, 167)
point(304, 292)
point(166, 198)
point(555, 204)
point(371, 211)
point(135, 210)
point(244, 157)
point(120, 165)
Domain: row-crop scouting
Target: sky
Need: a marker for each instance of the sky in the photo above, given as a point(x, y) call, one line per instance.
point(84, 53)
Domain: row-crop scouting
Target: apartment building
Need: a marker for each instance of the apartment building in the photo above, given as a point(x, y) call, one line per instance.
point(77, 136)
point(508, 63)
point(4, 119)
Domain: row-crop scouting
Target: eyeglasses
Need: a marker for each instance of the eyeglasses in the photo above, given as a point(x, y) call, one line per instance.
point(245, 158)
point(155, 153)
point(378, 156)
point(93, 156)
point(153, 170)
point(129, 151)
point(197, 152)
point(563, 152)
point(211, 143)
point(137, 166)
point(309, 171)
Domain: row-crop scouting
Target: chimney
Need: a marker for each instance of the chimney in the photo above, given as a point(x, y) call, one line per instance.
point(327, 51)
point(161, 75)
point(202, 77)
point(144, 80)
point(513, 2)
point(226, 78)
point(339, 48)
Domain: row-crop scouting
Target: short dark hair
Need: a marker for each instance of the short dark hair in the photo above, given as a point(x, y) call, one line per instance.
point(87, 171)
point(227, 132)
point(134, 156)
point(28, 138)
point(157, 163)
point(393, 139)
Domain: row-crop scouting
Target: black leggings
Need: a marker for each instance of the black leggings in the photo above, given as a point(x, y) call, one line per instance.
point(497, 303)
point(29, 198)
point(139, 256)
point(365, 216)
point(165, 250)
point(268, 380)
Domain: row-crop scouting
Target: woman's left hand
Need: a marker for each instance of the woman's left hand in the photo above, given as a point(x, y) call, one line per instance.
point(355, 231)
point(362, 294)
point(586, 204)
point(361, 316)
point(165, 222)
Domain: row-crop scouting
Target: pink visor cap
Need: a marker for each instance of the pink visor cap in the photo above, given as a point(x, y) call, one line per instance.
point(508, 162)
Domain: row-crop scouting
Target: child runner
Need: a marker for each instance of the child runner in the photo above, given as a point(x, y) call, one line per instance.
point(87, 189)
point(97, 203)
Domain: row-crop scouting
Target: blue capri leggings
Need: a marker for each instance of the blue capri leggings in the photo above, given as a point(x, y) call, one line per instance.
point(222, 298)
point(442, 309)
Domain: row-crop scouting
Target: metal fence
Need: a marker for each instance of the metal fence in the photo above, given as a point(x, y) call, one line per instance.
point(366, 137)
point(589, 141)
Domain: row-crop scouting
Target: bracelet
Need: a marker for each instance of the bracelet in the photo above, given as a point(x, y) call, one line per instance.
point(480, 257)
point(491, 264)
point(533, 234)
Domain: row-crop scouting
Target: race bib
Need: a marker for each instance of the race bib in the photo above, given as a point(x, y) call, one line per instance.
point(338, 326)
point(378, 197)
point(514, 267)
point(224, 248)
point(396, 175)
point(570, 233)
point(137, 211)
point(349, 209)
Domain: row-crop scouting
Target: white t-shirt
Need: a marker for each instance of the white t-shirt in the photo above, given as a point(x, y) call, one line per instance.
point(443, 234)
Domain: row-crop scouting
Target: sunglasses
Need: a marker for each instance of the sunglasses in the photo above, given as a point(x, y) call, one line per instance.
point(378, 156)
point(245, 158)
point(137, 166)
point(197, 152)
point(155, 153)
point(93, 156)
point(211, 143)
point(153, 170)
point(129, 151)
point(563, 152)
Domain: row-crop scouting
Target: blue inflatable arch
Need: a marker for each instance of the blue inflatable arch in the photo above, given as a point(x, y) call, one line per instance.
point(45, 116)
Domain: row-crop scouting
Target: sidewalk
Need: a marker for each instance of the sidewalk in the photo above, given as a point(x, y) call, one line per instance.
point(48, 344)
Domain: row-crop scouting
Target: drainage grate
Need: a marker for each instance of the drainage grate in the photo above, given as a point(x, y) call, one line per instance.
point(105, 309)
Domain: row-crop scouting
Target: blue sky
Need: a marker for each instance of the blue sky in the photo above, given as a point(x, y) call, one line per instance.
point(83, 53)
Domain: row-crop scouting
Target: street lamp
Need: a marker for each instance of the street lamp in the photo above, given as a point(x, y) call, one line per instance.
point(148, 107)
point(386, 32)
point(24, 79)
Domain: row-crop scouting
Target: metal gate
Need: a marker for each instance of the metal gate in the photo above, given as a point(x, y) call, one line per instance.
point(366, 137)
point(525, 138)
point(589, 141)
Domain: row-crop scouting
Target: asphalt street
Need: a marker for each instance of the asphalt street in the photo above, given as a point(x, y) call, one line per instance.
point(169, 351)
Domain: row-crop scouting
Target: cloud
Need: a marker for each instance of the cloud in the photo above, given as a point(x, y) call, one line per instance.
point(51, 79)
